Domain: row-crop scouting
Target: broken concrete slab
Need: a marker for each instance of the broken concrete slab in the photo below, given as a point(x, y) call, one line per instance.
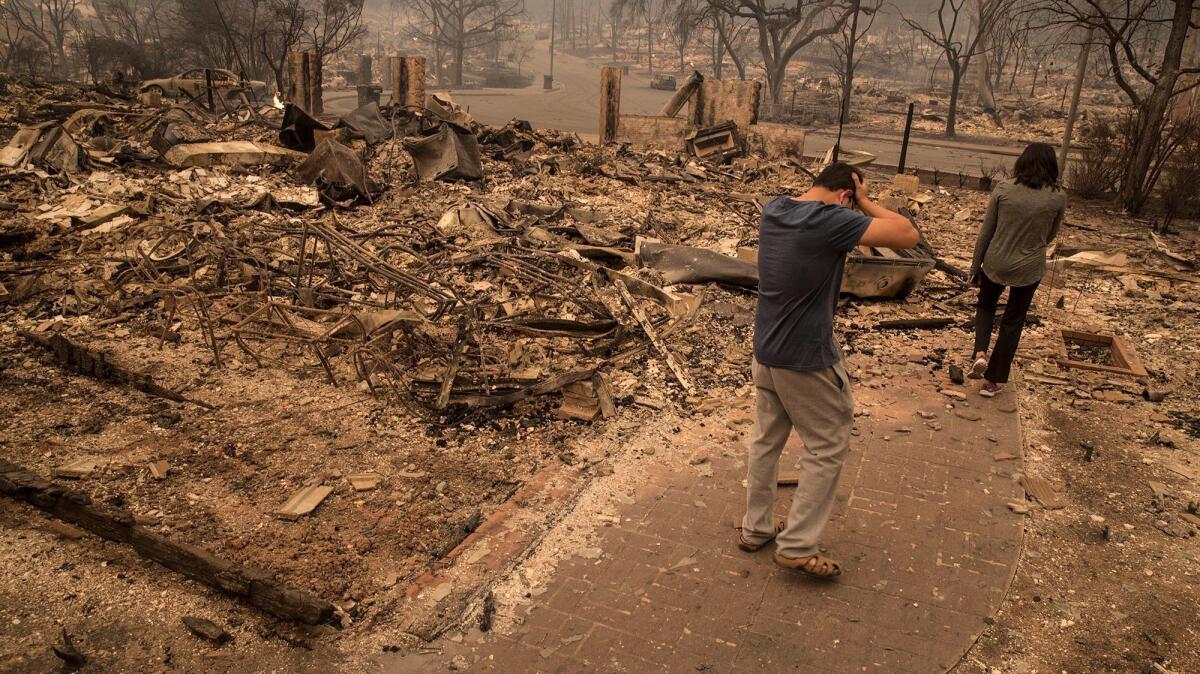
point(303, 502)
point(159, 470)
point(579, 401)
point(231, 153)
point(102, 214)
point(364, 481)
point(905, 184)
point(74, 470)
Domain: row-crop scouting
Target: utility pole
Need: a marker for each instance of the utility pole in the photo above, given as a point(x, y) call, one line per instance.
point(549, 83)
point(1080, 70)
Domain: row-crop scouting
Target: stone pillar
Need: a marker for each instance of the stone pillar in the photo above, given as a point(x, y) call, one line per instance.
point(297, 93)
point(368, 93)
point(315, 100)
point(365, 74)
point(408, 81)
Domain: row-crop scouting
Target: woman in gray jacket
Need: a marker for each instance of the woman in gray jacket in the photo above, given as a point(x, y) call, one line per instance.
point(1022, 220)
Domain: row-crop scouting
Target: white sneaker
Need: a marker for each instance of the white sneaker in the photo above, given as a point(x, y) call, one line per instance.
point(978, 368)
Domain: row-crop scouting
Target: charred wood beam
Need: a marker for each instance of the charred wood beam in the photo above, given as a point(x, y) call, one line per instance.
point(85, 361)
point(652, 334)
point(539, 389)
point(682, 96)
point(915, 324)
point(256, 586)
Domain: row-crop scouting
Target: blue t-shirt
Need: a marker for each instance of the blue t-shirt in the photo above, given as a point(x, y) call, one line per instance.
point(802, 248)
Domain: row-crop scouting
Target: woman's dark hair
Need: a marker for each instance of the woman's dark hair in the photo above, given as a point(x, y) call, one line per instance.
point(1037, 167)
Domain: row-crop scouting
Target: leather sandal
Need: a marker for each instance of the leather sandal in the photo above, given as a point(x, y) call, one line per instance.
point(817, 566)
point(747, 546)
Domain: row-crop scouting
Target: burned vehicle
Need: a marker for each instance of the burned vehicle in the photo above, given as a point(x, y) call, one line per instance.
point(663, 82)
point(225, 82)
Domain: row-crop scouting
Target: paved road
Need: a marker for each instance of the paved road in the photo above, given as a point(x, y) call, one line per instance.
point(574, 106)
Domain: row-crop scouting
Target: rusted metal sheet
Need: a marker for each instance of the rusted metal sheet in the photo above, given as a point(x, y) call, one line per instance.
point(876, 273)
point(882, 276)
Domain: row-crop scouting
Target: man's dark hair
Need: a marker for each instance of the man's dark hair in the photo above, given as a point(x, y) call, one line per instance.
point(838, 176)
point(1037, 167)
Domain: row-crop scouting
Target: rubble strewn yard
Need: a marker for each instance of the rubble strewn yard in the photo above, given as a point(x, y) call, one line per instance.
point(327, 366)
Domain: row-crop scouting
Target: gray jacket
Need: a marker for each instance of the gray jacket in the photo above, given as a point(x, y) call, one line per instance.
point(1020, 223)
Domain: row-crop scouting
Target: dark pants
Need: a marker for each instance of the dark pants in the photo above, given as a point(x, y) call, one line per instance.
point(1019, 299)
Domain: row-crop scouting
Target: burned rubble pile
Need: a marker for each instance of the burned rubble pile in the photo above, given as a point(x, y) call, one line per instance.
point(493, 301)
point(322, 348)
point(301, 360)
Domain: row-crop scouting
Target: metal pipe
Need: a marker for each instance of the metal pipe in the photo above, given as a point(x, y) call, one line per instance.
point(553, 21)
point(904, 143)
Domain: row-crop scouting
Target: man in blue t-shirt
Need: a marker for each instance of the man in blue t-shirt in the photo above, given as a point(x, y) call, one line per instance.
point(799, 378)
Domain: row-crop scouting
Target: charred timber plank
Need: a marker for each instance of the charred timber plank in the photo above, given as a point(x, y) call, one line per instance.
point(541, 388)
point(460, 344)
point(682, 96)
point(915, 324)
point(96, 364)
point(949, 269)
point(659, 345)
point(256, 586)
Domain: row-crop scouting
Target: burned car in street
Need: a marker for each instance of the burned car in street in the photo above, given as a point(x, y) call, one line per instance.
point(225, 82)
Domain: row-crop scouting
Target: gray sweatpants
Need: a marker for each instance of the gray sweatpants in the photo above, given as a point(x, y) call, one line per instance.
point(818, 404)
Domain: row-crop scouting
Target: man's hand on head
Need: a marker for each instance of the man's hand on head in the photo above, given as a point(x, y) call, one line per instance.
point(860, 189)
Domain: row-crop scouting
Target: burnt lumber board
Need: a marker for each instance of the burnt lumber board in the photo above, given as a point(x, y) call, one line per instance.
point(659, 345)
point(539, 389)
point(256, 586)
point(950, 270)
point(82, 360)
point(915, 323)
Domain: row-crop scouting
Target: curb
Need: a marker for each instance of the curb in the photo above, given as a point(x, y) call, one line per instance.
point(505, 538)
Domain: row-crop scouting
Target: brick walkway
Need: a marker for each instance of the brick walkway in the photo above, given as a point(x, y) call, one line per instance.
point(922, 529)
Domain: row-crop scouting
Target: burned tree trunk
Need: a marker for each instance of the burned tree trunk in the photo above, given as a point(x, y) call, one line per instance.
point(955, 86)
point(1138, 181)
